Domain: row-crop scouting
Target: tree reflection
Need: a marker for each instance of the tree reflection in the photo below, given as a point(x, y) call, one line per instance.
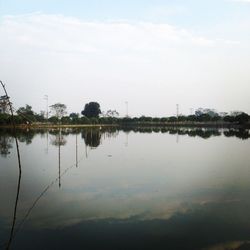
point(59, 141)
point(92, 137)
point(240, 133)
point(5, 145)
point(204, 133)
point(26, 136)
point(76, 151)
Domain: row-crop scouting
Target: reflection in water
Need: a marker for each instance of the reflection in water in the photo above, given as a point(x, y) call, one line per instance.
point(19, 227)
point(240, 133)
point(15, 210)
point(19, 164)
point(5, 145)
point(204, 133)
point(126, 142)
point(59, 141)
point(80, 208)
point(92, 137)
point(47, 142)
point(76, 152)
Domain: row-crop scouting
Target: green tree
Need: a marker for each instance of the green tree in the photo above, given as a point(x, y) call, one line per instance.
point(242, 118)
point(91, 109)
point(74, 118)
point(110, 113)
point(53, 119)
point(65, 120)
point(172, 119)
point(27, 110)
point(74, 115)
point(26, 114)
point(58, 110)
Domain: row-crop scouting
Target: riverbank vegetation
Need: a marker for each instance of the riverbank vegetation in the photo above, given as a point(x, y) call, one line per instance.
point(92, 115)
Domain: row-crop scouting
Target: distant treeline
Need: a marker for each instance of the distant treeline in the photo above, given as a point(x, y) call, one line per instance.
point(241, 119)
point(93, 115)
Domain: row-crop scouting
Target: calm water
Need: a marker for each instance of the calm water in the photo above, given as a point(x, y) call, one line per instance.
point(138, 189)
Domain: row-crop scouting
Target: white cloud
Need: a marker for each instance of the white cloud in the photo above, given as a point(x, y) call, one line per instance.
point(64, 34)
point(44, 53)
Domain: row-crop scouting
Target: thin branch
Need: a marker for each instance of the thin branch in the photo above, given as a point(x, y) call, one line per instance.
point(19, 166)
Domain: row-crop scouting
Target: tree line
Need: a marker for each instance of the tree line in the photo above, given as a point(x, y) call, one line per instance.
point(92, 114)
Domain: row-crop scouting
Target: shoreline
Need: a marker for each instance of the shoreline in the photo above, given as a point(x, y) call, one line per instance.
point(121, 125)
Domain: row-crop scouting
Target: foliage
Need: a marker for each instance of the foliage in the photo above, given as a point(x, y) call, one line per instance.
point(27, 114)
point(156, 119)
point(210, 112)
point(110, 113)
point(92, 109)
point(27, 110)
point(242, 118)
point(74, 115)
point(4, 105)
point(66, 120)
point(85, 120)
point(172, 119)
point(53, 119)
point(164, 119)
point(58, 110)
point(92, 137)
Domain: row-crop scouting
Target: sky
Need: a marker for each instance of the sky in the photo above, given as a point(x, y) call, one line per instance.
point(152, 54)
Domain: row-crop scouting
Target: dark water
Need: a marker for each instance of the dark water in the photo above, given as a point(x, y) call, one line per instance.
point(130, 189)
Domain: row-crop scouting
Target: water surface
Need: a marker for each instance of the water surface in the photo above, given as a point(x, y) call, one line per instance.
point(130, 189)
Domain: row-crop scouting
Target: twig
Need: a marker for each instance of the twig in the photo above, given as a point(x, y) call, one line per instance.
point(19, 166)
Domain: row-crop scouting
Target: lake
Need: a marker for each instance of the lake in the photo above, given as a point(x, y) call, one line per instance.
point(132, 188)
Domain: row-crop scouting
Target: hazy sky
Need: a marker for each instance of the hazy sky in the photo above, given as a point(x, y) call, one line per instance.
point(151, 53)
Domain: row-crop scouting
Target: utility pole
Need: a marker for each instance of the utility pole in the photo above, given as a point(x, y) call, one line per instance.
point(46, 97)
point(177, 110)
point(126, 108)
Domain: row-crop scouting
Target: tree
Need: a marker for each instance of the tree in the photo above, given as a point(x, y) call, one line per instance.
point(4, 105)
point(66, 120)
point(91, 109)
point(74, 118)
point(210, 112)
point(53, 119)
point(242, 118)
point(110, 113)
point(74, 115)
point(26, 114)
point(27, 110)
point(59, 110)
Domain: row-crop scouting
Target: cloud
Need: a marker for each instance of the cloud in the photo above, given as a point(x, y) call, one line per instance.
point(57, 33)
point(43, 53)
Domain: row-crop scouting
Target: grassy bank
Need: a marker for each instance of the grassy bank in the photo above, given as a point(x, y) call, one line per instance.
point(134, 124)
